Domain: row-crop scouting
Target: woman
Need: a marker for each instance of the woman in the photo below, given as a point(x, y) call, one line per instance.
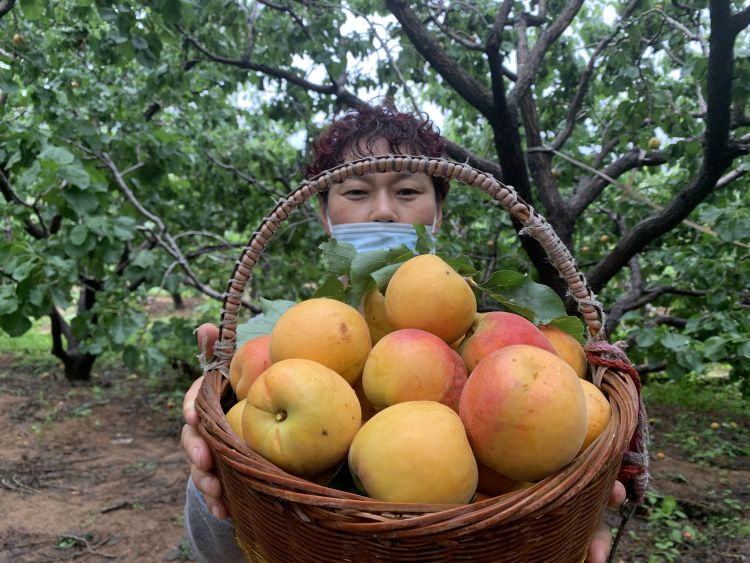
point(370, 212)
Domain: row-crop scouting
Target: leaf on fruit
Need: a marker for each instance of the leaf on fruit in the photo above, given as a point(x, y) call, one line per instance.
point(365, 266)
point(523, 296)
point(461, 264)
point(337, 256)
point(332, 287)
point(572, 325)
point(263, 323)
point(425, 242)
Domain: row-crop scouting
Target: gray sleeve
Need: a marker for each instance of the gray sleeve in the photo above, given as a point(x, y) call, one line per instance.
point(211, 540)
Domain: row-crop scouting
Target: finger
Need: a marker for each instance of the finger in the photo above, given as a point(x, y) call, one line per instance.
point(206, 482)
point(210, 487)
point(618, 494)
point(599, 548)
point(207, 334)
point(188, 403)
point(196, 449)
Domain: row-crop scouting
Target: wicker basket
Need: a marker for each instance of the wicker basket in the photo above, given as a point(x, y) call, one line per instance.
point(278, 517)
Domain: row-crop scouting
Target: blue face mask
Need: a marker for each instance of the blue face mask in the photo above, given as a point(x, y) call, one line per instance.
point(366, 237)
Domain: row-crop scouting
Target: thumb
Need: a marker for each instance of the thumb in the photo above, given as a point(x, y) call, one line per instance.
point(206, 335)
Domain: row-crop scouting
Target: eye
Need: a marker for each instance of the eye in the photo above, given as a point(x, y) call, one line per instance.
point(408, 191)
point(354, 192)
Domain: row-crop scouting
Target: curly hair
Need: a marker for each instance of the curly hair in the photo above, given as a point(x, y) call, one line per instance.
point(405, 133)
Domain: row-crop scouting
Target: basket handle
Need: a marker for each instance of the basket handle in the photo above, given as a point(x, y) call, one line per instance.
point(533, 224)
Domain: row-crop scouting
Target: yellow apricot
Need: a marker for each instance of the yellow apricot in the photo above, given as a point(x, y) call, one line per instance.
point(326, 331)
point(426, 293)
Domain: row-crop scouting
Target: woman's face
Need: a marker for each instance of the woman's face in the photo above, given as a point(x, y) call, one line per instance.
point(385, 197)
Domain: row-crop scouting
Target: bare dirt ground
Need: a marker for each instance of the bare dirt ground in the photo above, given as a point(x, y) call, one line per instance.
point(88, 473)
point(95, 473)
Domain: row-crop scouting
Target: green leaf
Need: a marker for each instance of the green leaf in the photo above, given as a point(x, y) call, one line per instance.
point(425, 242)
point(383, 276)
point(32, 9)
point(138, 42)
point(462, 264)
point(82, 202)
point(366, 263)
point(78, 234)
point(332, 288)
point(675, 342)
point(572, 325)
point(523, 296)
point(15, 324)
point(8, 300)
point(744, 350)
point(337, 256)
point(170, 10)
point(714, 348)
point(124, 228)
point(264, 323)
point(58, 155)
point(75, 174)
point(143, 259)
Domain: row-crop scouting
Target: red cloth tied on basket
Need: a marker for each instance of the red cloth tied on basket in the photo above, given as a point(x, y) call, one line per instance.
point(634, 469)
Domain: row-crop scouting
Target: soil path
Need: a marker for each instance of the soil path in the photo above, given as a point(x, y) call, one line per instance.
point(95, 473)
point(88, 473)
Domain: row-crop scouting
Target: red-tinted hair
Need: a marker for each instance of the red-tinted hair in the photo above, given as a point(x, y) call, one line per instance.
point(359, 128)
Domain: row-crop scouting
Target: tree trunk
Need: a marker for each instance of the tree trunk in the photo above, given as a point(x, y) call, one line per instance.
point(78, 364)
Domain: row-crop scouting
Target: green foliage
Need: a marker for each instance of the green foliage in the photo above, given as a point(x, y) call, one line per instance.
point(665, 514)
point(206, 111)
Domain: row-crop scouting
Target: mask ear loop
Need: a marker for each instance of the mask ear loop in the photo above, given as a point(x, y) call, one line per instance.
point(328, 218)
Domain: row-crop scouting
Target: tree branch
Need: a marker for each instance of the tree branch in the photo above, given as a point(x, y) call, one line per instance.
point(162, 236)
point(36, 231)
point(473, 44)
point(274, 72)
point(583, 83)
point(6, 6)
point(717, 156)
point(741, 20)
point(460, 154)
point(243, 176)
point(465, 85)
point(547, 36)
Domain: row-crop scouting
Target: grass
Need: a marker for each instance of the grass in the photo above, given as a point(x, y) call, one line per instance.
point(699, 396)
point(37, 342)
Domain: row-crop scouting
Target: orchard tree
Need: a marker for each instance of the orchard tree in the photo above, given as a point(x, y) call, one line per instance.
point(624, 124)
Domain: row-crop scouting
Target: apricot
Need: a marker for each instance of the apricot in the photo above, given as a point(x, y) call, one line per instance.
point(495, 330)
point(598, 412)
point(234, 417)
point(524, 410)
point(413, 365)
point(426, 293)
point(301, 416)
point(373, 306)
point(567, 347)
point(415, 451)
point(249, 361)
point(326, 331)
point(492, 483)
